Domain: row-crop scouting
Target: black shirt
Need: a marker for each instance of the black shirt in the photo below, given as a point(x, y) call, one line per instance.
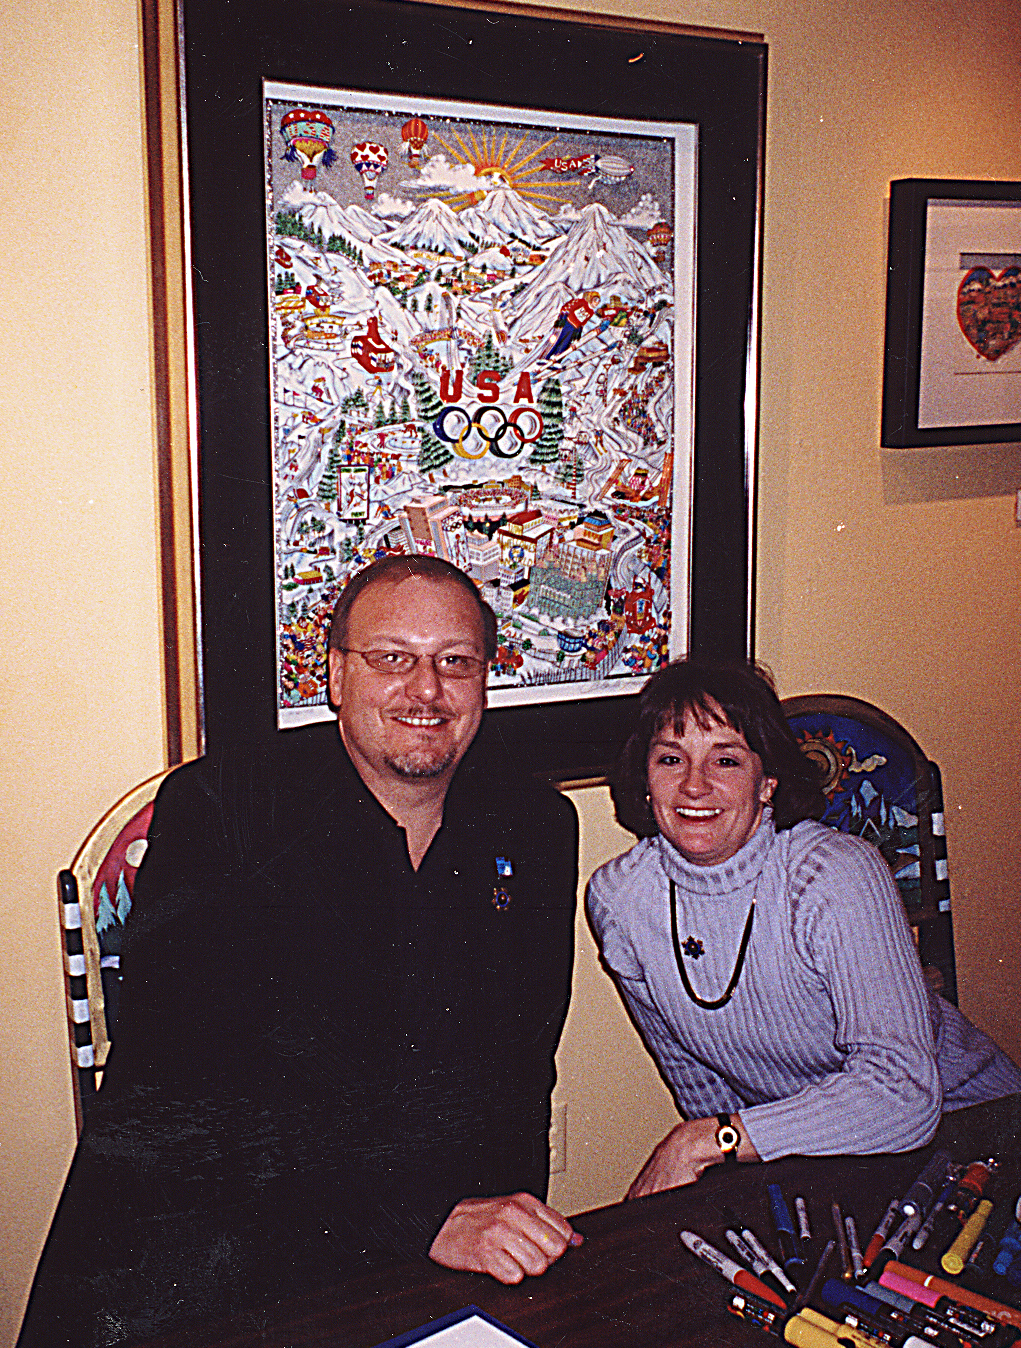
point(319, 1049)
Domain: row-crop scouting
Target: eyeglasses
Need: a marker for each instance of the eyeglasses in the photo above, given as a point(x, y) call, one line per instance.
point(449, 665)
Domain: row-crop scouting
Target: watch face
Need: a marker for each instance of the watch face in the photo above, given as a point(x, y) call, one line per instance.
point(728, 1138)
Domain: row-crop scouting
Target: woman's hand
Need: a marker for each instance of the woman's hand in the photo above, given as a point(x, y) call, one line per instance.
point(684, 1154)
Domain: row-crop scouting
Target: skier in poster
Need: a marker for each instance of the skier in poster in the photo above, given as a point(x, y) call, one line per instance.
point(572, 318)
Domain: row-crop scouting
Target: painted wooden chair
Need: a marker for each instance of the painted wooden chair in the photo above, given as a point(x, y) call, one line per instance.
point(881, 786)
point(95, 896)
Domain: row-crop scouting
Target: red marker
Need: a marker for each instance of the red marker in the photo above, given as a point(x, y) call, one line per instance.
point(731, 1270)
point(882, 1231)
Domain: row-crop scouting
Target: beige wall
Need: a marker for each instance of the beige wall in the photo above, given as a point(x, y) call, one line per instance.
point(892, 576)
point(82, 716)
point(615, 1107)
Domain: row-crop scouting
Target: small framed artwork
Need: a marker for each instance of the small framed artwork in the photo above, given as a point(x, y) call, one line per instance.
point(484, 285)
point(952, 373)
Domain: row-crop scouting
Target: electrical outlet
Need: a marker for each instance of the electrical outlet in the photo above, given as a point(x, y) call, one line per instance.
point(558, 1140)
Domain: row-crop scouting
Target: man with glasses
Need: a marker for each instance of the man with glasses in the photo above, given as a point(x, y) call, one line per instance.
point(410, 644)
point(345, 976)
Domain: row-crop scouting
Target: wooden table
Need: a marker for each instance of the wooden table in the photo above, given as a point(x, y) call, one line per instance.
point(632, 1284)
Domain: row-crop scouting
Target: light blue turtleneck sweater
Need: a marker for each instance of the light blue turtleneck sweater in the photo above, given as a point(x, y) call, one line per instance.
point(831, 1043)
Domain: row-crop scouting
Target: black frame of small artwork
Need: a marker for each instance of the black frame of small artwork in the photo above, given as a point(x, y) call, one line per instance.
point(506, 55)
point(905, 280)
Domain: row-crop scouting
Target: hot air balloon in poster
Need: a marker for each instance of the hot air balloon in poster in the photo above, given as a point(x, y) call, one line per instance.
point(414, 134)
point(308, 135)
point(370, 160)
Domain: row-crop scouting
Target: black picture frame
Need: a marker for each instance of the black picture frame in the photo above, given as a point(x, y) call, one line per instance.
point(511, 57)
point(908, 250)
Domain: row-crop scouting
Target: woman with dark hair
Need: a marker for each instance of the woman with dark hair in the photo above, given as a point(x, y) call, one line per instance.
point(765, 958)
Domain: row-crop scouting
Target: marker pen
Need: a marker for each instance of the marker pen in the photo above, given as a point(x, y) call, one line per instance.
point(980, 1262)
point(761, 1265)
point(845, 1333)
point(995, 1310)
point(893, 1246)
point(925, 1188)
point(1009, 1247)
point(954, 1259)
point(907, 1287)
point(784, 1229)
point(857, 1260)
point(846, 1266)
point(946, 1316)
point(759, 1312)
point(730, 1269)
point(836, 1293)
point(804, 1333)
point(925, 1230)
point(804, 1228)
point(1013, 1274)
point(742, 1251)
point(759, 1250)
point(970, 1187)
point(882, 1231)
point(881, 1293)
point(944, 1328)
point(816, 1280)
point(883, 1331)
point(839, 1297)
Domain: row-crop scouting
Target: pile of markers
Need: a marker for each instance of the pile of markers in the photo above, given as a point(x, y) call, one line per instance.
point(874, 1298)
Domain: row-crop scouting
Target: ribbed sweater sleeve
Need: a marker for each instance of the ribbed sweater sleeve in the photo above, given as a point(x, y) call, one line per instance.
point(849, 929)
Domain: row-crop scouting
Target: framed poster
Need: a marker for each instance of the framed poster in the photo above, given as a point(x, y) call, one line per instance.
point(475, 341)
point(953, 313)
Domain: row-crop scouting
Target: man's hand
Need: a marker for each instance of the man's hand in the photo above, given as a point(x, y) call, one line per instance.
point(684, 1154)
point(505, 1237)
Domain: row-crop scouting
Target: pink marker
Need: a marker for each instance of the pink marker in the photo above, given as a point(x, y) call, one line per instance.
point(914, 1291)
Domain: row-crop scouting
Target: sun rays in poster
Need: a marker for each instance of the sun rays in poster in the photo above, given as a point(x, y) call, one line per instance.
point(496, 165)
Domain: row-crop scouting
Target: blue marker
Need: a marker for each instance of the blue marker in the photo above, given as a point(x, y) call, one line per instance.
point(784, 1229)
point(1010, 1248)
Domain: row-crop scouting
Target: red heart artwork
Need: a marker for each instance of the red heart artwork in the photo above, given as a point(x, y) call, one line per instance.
point(989, 310)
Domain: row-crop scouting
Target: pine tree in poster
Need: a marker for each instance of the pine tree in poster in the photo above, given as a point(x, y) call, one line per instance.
point(433, 453)
point(551, 406)
point(328, 482)
point(487, 358)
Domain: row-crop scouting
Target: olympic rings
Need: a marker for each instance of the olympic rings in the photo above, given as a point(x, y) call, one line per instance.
point(491, 437)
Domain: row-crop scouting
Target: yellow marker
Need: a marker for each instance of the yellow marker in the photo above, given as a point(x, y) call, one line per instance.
point(806, 1333)
point(845, 1333)
point(956, 1257)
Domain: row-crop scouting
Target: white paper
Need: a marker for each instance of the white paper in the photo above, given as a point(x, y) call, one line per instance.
point(957, 385)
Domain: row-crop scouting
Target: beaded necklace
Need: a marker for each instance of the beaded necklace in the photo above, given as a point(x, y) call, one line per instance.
point(738, 967)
